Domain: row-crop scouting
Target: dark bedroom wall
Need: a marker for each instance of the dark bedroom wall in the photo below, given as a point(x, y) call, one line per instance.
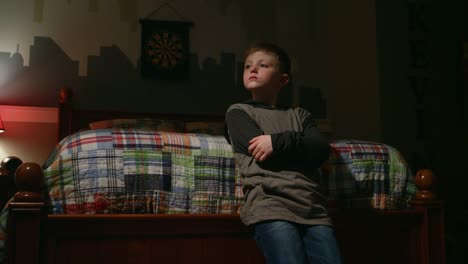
point(351, 69)
point(423, 99)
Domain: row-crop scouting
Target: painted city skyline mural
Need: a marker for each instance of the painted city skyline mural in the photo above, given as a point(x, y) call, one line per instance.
point(112, 80)
point(93, 47)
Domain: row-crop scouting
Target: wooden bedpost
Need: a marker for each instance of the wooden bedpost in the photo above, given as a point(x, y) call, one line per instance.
point(25, 216)
point(65, 113)
point(433, 226)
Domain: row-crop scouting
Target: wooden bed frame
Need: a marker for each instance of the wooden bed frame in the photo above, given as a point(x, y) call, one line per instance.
point(414, 235)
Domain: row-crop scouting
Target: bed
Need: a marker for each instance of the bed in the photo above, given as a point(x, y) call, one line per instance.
point(77, 208)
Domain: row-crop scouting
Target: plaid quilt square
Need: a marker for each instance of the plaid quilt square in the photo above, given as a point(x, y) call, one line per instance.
point(210, 145)
point(98, 171)
point(86, 141)
point(136, 139)
point(215, 175)
point(368, 150)
point(146, 170)
point(179, 143)
point(183, 173)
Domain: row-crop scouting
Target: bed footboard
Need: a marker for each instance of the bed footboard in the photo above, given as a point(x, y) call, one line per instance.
point(149, 238)
point(35, 237)
point(414, 235)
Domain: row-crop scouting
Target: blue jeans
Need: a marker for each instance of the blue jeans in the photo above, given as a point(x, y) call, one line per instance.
point(285, 242)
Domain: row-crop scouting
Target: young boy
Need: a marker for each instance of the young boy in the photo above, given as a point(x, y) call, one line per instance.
point(278, 151)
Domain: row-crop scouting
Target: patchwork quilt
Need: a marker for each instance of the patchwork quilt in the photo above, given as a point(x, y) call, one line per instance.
point(138, 171)
point(122, 170)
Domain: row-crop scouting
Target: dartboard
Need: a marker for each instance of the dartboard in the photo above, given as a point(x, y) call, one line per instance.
point(164, 49)
point(165, 52)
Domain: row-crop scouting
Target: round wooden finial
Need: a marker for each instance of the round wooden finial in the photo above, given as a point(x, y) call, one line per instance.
point(29, 177)
point(424, 180)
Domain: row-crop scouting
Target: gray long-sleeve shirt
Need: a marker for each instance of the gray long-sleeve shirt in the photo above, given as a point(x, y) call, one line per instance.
point(286, 185)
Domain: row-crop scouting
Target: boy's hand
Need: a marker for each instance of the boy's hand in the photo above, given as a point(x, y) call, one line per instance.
point(260, 147)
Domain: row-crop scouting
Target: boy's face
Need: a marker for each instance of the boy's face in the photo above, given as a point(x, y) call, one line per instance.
point(261, 72)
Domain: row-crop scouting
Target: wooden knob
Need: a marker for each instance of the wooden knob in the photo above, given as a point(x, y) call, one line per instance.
point(424, 180)
point(29, 177)
point(10, 164)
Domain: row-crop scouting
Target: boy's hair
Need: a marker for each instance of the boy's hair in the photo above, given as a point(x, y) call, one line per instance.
point(283, 57)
